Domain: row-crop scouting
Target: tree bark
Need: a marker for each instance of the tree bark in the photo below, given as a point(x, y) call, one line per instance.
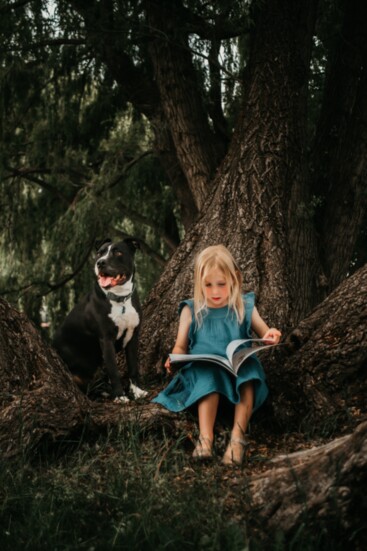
point(38, 396)
point(320, 379)
point(320, 487)
point(272, 155)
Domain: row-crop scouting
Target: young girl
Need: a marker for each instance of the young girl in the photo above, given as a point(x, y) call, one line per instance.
point(217, 315)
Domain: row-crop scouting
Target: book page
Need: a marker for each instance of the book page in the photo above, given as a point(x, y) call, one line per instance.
point(186, 358)
point(233, 345)
point(239, 357)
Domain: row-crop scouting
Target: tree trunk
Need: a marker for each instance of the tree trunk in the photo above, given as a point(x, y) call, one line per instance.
point(323, 381)
point(340, 162)
point(166, 152)
point(196, 149)
point(271, 180)
point(253, 210)
point(318, 488)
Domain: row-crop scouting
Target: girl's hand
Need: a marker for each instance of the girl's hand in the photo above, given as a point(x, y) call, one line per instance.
point(272, 336)
point(167, 366)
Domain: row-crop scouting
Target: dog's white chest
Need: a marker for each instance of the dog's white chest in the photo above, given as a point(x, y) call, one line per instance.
point(126, 318)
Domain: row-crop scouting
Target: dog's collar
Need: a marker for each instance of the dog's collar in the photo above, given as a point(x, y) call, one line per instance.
point(117, 298)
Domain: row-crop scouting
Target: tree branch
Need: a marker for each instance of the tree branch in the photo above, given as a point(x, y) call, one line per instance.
point(125, 169)
point(49, 42)
point(26, 175)
point(137, 217)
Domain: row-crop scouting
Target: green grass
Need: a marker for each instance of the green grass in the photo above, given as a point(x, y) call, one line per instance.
point(136, 491)
point(125, 491)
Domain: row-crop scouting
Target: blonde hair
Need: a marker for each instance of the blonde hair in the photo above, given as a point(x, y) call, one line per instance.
point(217, 257)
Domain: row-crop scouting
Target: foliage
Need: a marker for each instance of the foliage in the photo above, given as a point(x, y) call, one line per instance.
point(68, 158)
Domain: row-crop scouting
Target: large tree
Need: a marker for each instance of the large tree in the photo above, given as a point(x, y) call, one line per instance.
point(267, 188)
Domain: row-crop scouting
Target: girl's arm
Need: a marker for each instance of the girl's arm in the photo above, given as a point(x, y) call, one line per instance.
point(182, 339)
point(270, 334)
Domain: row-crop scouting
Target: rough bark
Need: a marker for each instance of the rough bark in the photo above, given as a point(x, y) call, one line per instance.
point(320, 487)
point(272, 150)
point(340, 153)
point(323, 381)
point(38, 396)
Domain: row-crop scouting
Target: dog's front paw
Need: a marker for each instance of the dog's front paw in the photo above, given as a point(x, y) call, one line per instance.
point(121, 400)
point(137, 392)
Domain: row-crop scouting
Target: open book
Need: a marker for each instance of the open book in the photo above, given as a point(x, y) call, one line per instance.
point(237, 353)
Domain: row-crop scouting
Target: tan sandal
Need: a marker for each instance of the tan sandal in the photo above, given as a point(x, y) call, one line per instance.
point(203, 449)
point(235, 451)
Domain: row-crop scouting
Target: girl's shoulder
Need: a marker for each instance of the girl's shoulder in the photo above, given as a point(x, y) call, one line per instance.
point(249, 303)
point(187, 302)
point(249, 297)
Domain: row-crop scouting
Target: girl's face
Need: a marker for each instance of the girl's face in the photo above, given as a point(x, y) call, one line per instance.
point(216, 289)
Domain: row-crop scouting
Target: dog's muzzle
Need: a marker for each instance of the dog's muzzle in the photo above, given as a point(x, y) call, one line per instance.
point(106, 281)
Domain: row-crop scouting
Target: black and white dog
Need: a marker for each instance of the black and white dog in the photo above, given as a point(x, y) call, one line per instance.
point(105, 321)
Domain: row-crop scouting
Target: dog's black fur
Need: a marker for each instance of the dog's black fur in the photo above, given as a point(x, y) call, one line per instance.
point(105, 321)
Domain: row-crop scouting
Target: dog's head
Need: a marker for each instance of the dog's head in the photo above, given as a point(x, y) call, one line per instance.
point(115, 262)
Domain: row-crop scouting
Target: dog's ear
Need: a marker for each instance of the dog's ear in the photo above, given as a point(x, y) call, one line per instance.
point(133, 244)
point(99, 242)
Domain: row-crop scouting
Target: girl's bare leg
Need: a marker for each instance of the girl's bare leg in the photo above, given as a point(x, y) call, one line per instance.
point(207, 412)
point(243, 410)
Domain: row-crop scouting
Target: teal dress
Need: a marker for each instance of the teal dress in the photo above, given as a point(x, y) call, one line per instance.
point(197, 379)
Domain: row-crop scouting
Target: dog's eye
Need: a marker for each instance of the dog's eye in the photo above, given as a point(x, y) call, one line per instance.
point(118, 253)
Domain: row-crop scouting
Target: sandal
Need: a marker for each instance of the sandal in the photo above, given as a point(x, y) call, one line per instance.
point(235, 451)
point(203, 449)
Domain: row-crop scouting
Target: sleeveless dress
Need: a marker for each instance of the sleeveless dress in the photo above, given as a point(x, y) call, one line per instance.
point(198, 379)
